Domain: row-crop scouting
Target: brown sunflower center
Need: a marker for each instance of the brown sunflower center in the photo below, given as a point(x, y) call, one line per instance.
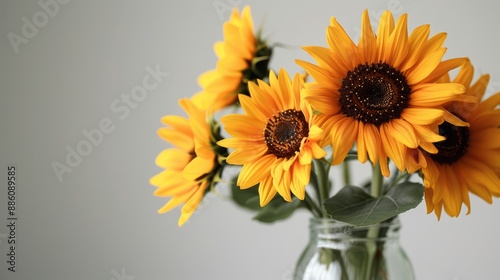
point(455, 145)
point(284, 133)
point(375, 93)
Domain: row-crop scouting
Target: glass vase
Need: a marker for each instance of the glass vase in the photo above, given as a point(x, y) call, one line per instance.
point(337, 251)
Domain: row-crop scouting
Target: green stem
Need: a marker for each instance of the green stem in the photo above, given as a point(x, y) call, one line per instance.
point(373, 232)
point(314, 180)
point(377, 181)
point(395, 176)
point(323, 185)
point(401, 176)
point(315, 209)
point(346, 173)
point(343, 267)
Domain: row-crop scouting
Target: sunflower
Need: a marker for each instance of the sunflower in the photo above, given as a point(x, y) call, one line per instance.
point(243, 57)
point(381, 94)
point(192, 166)
point(467, 161)
point(275, 140)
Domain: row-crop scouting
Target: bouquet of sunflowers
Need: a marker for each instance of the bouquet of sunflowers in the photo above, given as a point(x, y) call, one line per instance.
point(389, 100)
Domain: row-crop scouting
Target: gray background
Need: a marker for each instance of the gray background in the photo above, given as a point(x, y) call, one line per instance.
point(100, 221)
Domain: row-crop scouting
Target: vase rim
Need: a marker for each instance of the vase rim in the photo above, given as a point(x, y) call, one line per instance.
point(320, 222)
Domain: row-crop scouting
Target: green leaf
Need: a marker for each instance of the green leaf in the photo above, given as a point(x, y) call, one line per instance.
point(248, 198)
point(277, 209)
point(354, 206)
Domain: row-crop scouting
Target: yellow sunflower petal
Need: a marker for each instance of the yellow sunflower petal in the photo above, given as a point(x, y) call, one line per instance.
point(392, 147)
point(300, 178)
point(251, 108)
point(261, 101)
point(465, 75)
point(231, 63)
point(231, 37)
point(431, 95)
point(197, 120)
point(430, 174)
point(488, 157)
point(181, 140)
point(427, 134)
point(193, 202)
point(367, 41)
point(241, 143)
point(487, 138)
point(397, 48)
point(281, 181)
point(385, 28)
point(285, 87)
point(403, 132)
point(173, 159)
point(372, 142)
point(190, 206)
point(254, 172)
point(416, 43)
point(198, 167)
point(170, 183)
point(341, 43)
point(322, 99)
point(343, 135)
point(360, 143)
point(434, 44)
point(490, 103)
point(454, 120)
point(428, 200)
point(324, 57)
point(429, 147)
point(266, 191)
point(219, 50)
point(247, 31)
point(415, 161)
point(442, 70)
point(421, 116)
point(207, 78)
point(243, 126)
point(473, 185)
point(317, 151)
point(176, 201)
point(483, 175)
point(315, 132)
point(384, 164)
point(439, 182)
point(274, 99)
point(425, 67)
point(452, 197)
point(479, 87)
point(318, 73)
point(306, 155)
point(486, 119)
point(246, 155)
